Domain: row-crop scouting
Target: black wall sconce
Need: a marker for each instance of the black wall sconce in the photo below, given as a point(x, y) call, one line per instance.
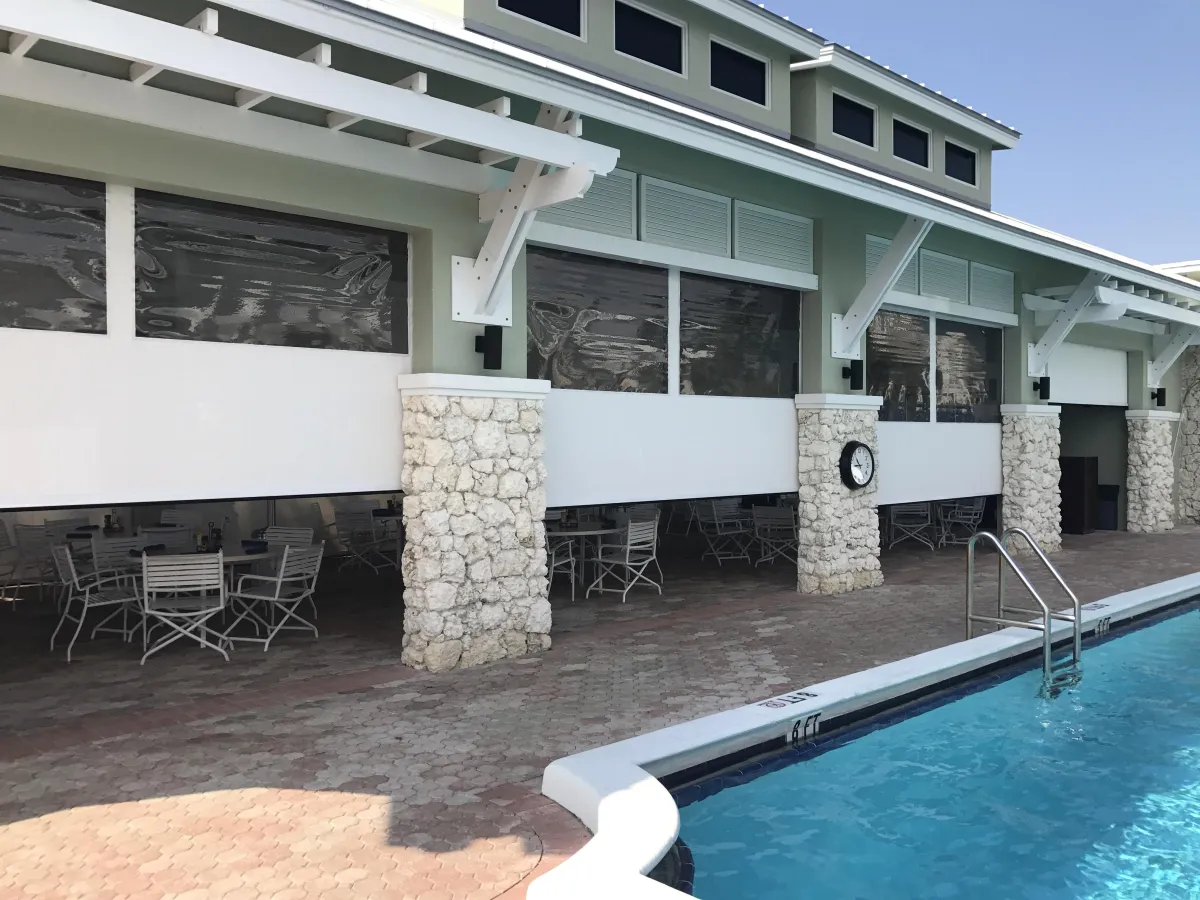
point(1159, 396)
point(491, 345)
point(854, 372)
point(1041, 387)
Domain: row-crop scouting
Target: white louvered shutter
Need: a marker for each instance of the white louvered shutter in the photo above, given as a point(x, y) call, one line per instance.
point(683, 217)
point(992, 288)
point(876, 248)
point(609, 206)
point(771, 237)
point(944, 277)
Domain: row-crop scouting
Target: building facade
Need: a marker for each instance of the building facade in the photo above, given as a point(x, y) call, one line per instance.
point(256, 250)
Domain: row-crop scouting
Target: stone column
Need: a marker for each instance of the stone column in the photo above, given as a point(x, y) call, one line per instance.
point(474, 562)
point(839, 527)
point(1029, 450)
point(1187, 486)
point(1150, 476)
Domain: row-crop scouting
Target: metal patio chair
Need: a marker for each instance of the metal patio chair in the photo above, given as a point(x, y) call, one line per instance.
point(680, 511)
point(116, 594)
point(359, 533)
point(776, 532)
point(33, 564)
point(561, 551)
point(182, 594)
point(959, 520)
point(117, 556)
point(279, 536)
point(628, 561)
point(175, 538)
point(272, 600)
point(911, 522)
point(725, 528)
point(183, 518)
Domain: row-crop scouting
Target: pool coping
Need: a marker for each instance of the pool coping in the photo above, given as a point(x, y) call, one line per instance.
point(614, 790)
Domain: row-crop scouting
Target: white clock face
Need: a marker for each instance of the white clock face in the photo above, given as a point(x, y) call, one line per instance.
point(862, 466)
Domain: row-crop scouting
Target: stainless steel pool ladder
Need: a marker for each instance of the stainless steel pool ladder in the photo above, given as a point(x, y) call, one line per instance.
point(1055, 674)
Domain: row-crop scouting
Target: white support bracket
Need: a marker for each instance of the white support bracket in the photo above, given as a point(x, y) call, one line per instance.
point(1167, 351)
point(320, 55)
point(848, 329)
point(1070, 315)
point(481, 288)
point(206, 23)
point(20, 44)
point(418, 83)
point(546, 190)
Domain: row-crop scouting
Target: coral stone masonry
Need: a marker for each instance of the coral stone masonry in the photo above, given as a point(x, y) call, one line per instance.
point(1150, 480)
point(839, 527)
point(1029, 449)
point(474, 564)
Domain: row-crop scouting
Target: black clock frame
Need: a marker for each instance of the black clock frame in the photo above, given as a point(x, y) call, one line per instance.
point(844, 465)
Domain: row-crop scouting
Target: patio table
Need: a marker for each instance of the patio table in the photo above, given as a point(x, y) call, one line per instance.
point(583, 532)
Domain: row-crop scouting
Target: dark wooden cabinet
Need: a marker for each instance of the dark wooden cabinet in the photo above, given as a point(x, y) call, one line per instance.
point(1079, 488)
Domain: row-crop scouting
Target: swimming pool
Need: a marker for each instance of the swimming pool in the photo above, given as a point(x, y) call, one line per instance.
point(995, 793)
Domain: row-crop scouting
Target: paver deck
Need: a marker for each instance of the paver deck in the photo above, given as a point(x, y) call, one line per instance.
point(326, 770)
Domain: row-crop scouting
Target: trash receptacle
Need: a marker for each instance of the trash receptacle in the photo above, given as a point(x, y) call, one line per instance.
point(1106, 506)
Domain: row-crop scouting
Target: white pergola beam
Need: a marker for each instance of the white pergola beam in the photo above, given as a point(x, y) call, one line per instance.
point(320, 55)
point(1180, 338)
point(206, 23)
point(418, 83)
point(546, 190)
point(126, 35)
point(1066, 319)
point(501, 106)
point(1144, 306)
point(849, 329)
point(572, 126)
point(20, 44)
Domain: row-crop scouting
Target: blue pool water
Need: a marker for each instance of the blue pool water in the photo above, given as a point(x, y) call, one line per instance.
point(995, 796)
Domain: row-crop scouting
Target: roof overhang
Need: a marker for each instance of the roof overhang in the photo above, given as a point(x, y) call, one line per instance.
point(1190, 269)
point(757, 18)
point(841, 59)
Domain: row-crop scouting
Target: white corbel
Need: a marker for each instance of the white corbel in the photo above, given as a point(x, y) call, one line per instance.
point(1167, 351)
point(546, 190)
point(481, 288)
point(849, 329)
point(1066, 319)
point(320, 55)
point(206, 23)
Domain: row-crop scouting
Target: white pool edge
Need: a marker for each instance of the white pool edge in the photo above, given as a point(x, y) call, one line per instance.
point(634, 821)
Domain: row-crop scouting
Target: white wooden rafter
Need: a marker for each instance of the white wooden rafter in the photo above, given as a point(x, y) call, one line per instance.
point(320, 55)
point(418, 83)
point(848, 329)
point(20, 44)
point(205, 22)
point(1067, 318)
point(1167, 351)
point(501, 106)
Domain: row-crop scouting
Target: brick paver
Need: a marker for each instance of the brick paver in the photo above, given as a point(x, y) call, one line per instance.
point(326, 770)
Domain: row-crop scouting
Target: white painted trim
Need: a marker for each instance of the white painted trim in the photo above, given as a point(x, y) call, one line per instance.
point(962, 146)
point(583, 21)
point(634, 819)
point(430, 41)
point(846, 95)
point(902, 301)
point(116, 32)
point(120, 236)
point(838, 401)
point(447, 385)
point(1146, 307)
point(1152, 414)
point(579, 240)
point(737, 48)
point(674, 294)
point(1028, 409)
point(928, 143)
point(670, 20)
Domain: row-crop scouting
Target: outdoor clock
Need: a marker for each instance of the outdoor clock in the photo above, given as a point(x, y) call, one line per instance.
point(857, 465)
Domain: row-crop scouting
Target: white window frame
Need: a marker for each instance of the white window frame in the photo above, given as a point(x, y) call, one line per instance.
point(679, 23)
point(729, 45)
point(583, 21)
point(928, 144)
point(846, 95)
point(962, 146)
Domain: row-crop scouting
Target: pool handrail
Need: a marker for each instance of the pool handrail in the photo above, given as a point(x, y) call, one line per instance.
point(1076, 606)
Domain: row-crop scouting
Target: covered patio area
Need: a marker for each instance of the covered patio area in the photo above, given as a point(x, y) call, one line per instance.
point(327, 770)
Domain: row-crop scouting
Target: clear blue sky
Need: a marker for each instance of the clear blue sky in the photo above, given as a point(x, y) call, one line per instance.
point(1103, 92)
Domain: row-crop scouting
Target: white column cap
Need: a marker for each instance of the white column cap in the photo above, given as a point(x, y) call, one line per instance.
point(1162, 414)
point(446, 385)
point(1029, 409)
point(837, 401)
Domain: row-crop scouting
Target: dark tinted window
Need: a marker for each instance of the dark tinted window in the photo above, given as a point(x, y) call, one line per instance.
point(898, 366)
point(910, 142)
point(657, 41)
point(596, 324)
point(51, 253)
point(212, 272)
point(565, 15)
point(960, 163)
point(737, 339)
point(968, 372)
point(853, 120)
point(738, 74)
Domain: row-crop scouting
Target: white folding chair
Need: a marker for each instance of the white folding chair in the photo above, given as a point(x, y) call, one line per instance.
point(562, 559)
point(182, 518)
point(776, 532)
point(911, 521)
point(959, 520)
point(359, 533)
point(33, 565)
point(273, 600)
point(174, 538)
point(680, 515)
point(117, 556)
point(8, 566)
point(725, 528)
point(279, 536)
point(627, 562)
point(183, 593)
point(114, 593)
